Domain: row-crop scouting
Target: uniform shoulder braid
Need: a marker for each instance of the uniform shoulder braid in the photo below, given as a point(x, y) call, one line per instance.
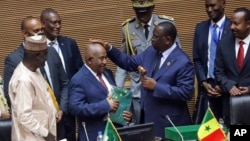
point(166, 17)
point(128, 20)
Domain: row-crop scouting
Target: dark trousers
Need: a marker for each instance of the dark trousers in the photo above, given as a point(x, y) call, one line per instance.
point(70, 127)
point(136, 110)
point(5, 130)
point(201, 105)
point(60, 129)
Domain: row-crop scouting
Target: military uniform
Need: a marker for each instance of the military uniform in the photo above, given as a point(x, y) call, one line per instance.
point(135, 42)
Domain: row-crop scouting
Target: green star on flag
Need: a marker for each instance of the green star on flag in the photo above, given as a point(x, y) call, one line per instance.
point(210, 129)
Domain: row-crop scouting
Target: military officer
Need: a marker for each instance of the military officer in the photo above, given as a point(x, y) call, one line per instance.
point(137, 33)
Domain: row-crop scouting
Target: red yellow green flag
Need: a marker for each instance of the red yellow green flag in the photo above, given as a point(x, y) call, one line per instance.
point(110, 133)
point(210, 129)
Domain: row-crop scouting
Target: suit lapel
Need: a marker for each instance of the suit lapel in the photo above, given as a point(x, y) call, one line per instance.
point(205, 39)
point(170, 60)
point(247, 58)
point(226, 29)
point(108, 77)
point(63, 46)
point(51, 65)
point(232, 53)
point(93, 80)
point(21, 51)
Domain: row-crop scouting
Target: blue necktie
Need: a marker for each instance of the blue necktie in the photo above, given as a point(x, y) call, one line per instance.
point(213, 46)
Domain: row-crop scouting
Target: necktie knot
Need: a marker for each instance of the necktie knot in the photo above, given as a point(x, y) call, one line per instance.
point(241, 43)
point(99, 75)
point(51, 44)
point(215, 26)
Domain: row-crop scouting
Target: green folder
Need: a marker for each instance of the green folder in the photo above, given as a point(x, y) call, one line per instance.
point(125, 98)
point(189, 132)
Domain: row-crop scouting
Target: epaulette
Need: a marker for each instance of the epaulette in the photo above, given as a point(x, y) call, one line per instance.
point(128, 20)
point(166, 17)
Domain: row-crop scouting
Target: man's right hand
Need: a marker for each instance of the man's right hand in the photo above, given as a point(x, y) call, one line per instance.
point(5, 115)
point(210, 90)
point(235, 91)
point(114, 104)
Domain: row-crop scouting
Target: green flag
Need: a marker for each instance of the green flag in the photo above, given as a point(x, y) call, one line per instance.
point(125, 98)
point(110, 133)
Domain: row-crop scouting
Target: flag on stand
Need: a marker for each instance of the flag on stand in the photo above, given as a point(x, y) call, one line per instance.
point(210, 129)
point(110, 133)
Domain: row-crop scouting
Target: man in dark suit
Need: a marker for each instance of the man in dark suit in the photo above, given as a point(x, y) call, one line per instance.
point(232, 62)
point(68, 51)
point(204, 50)
point(53, 71)
point(89, 97)
point(169, 81)
point(66, 47)
point(137, 33)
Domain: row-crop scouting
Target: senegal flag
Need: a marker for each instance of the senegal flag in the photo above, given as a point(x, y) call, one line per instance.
point(110, 133)
point(210, 129)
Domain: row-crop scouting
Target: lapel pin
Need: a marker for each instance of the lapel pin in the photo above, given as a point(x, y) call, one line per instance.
point(156, 23)
point(168, 63)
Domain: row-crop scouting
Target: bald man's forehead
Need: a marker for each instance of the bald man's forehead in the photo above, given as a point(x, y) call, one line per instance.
point(95, 48)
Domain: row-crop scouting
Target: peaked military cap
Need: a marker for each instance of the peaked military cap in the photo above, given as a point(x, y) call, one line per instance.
point(142, 5)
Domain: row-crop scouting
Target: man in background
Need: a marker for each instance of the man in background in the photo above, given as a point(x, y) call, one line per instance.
point(52, 71)
point(33, 111)
point(207, 36)
point(137, 33)
point(68, 52)
point(89, 91)
point(232, 66)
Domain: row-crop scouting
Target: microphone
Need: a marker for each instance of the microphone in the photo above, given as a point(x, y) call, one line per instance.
point(86, 133)
point(168, 118)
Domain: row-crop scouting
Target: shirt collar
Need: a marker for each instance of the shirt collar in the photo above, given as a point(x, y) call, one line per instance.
point(220, 22)
point(95, 74)
point(166, 53)
point(149, 22)
point(55, 41)
point(246, 40)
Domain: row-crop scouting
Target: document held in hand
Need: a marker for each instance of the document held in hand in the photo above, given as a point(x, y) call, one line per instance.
point(125, 98)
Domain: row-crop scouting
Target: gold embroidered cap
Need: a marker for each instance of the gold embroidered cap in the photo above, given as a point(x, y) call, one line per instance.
point(35, 43)
point(142, 5)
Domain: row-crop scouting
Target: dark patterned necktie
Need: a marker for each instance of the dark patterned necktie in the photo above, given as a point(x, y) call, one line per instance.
point(146, 30)
point(157, 63)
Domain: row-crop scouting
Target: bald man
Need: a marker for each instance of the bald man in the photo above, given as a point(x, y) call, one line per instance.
point(88, 93)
